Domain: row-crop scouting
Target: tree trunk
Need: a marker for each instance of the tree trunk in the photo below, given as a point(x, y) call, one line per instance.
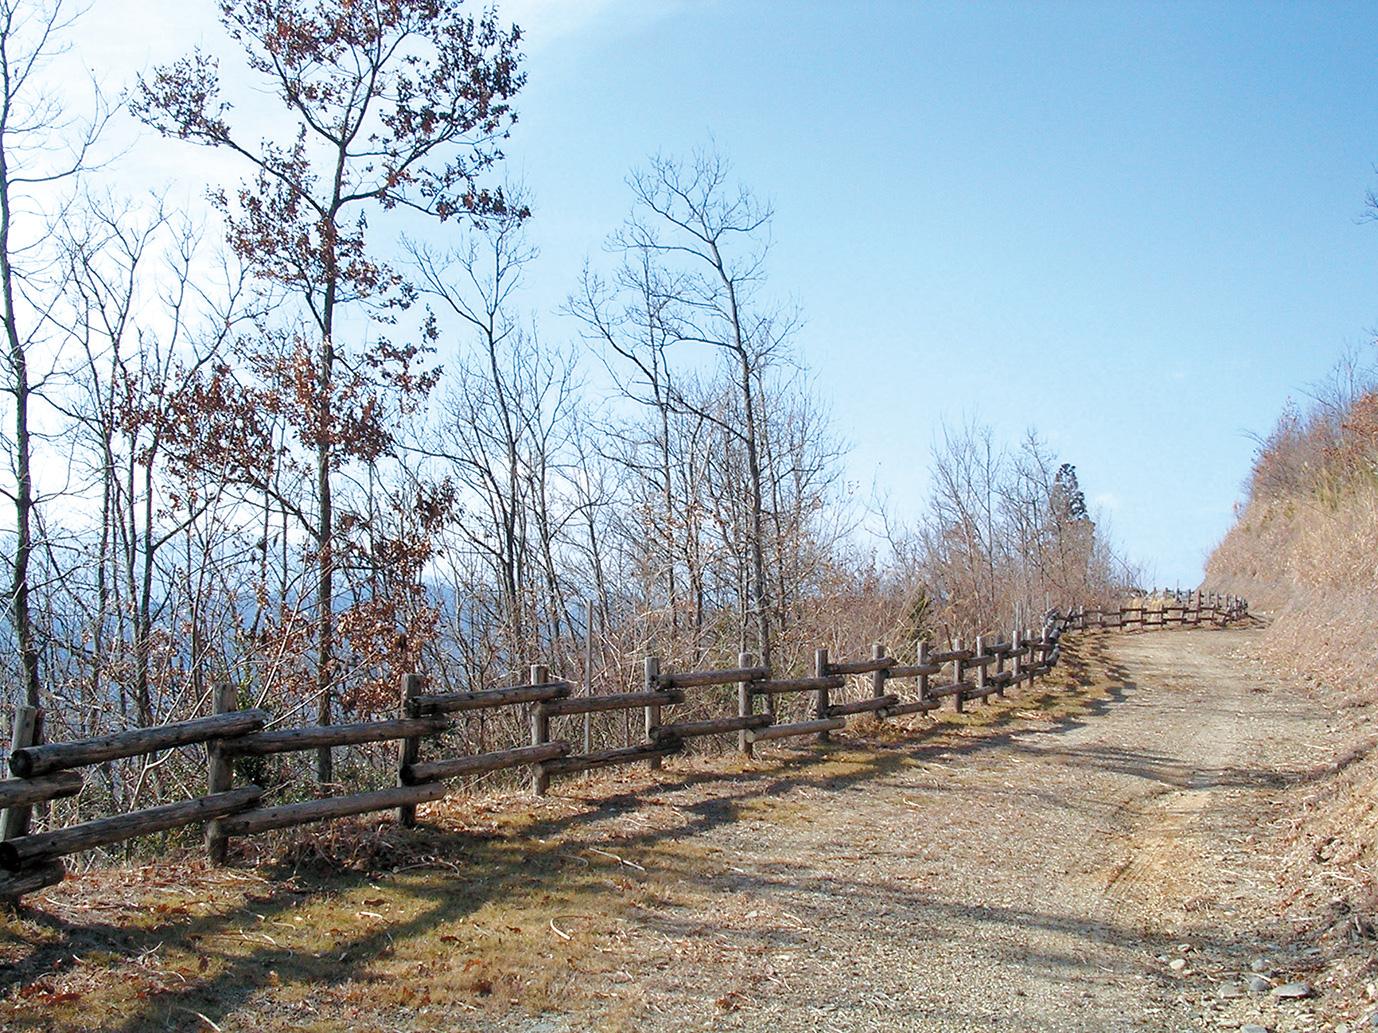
point(325, 573)
point(23, 453)
point(760, 595)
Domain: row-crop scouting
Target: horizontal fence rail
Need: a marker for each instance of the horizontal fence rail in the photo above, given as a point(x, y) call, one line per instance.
point(44, 772)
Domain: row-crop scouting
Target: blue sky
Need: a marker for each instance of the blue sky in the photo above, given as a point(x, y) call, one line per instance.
point(1136, 228)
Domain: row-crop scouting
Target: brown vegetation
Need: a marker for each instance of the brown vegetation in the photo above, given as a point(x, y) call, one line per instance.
point(1305, 546)
point(1305, 540)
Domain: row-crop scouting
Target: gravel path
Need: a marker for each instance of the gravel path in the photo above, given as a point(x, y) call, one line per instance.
point(1097, 872)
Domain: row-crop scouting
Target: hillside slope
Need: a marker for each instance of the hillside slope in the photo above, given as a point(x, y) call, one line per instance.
point(1304, 550)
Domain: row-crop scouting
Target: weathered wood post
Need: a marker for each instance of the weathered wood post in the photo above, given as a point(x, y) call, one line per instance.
point(981, 677)
point(408, 749)
point(540, 733)
point(1016, 661)
point(1000, 669)
point(922, 659)
point(957, 701)
point(652, 712)
point(744, 704)
point(820, 696)
point(588, 672)
point(219, 767)
point(878, 677)
point(27, 731)
point(31, 879)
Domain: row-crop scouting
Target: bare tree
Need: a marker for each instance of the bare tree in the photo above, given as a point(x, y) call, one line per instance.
point(168, 425)
point(399, 104)
point(696, 247)
point(508, 411)
point(42, 148)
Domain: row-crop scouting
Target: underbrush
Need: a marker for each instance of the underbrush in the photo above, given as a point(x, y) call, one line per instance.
point(1305, 551)
point(1310, 562)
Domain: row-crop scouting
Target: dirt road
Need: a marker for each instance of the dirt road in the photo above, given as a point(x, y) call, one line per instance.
point(1096, 859)
point(1053, 870)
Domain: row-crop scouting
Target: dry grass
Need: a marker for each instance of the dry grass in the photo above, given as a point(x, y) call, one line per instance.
point(1312, 560)
point(1278, 548)
point(488, 911)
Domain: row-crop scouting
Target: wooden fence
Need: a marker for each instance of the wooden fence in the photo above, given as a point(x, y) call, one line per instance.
point(1189, 608)
point(45, 772)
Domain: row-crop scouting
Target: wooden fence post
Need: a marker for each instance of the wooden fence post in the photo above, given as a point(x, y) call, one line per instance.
point(219, 767)
point(820, 697)
point(28, 731)
point(409, 749)
point(957, 701)
point(652, 712)
point(981, 669)
point(588, 671)
point(540, 733)
point(878, 677)
point(1016, 661)
point(1000, 669)
point(922, 658)
point(744, 704)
